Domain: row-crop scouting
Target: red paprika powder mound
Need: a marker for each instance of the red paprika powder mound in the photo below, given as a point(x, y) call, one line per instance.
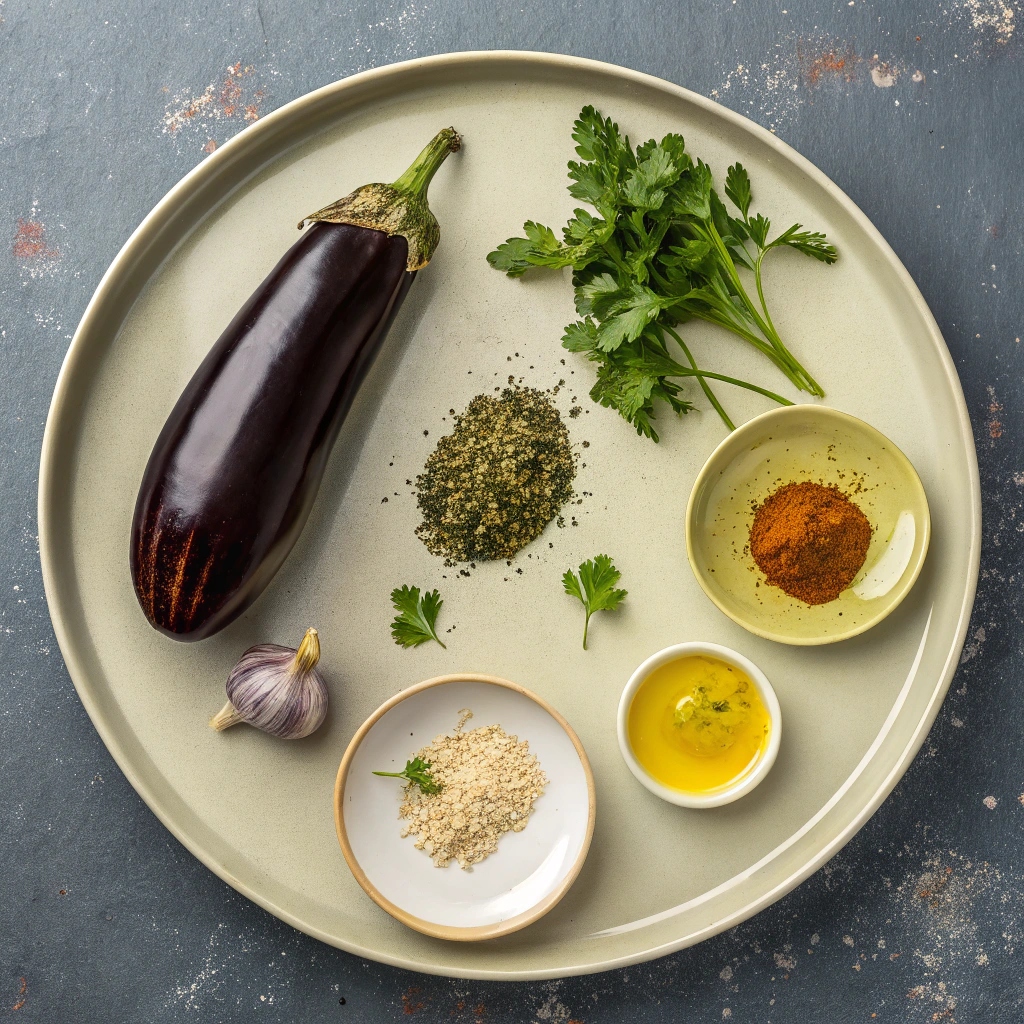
point(810, 541)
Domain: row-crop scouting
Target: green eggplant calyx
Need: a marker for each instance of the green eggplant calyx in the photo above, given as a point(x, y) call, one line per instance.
point(399, 208)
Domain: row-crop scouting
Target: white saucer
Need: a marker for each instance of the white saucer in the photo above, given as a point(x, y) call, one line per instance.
point(530, 871)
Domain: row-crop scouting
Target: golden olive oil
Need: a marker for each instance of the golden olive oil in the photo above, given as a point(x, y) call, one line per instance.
point(697, 724)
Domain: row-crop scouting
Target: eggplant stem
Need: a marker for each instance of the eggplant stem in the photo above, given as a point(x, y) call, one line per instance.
point(308, 653)
point(417, 178)
point(225, 718)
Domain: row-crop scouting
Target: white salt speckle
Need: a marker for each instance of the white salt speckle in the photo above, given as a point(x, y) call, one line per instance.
point(992, 18)
point(973, 647)
point(237, 97)
point(883, 76)
point(552, 1009)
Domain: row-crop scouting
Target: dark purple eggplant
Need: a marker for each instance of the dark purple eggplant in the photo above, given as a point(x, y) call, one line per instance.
point(236, 468)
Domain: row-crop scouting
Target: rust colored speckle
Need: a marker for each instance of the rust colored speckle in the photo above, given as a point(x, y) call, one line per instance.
point(410, 1002)
point(232, 97)
point(837, 62)
point(231, 90)
point(187, 112)
point(22, 992)
point(937, 882)
point(210, 146)
point(30, 241)
point(995, 426)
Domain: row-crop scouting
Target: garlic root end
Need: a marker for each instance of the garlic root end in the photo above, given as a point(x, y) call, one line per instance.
point(225, 718)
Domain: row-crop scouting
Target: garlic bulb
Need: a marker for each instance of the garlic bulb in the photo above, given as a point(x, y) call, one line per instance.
point(277, 690)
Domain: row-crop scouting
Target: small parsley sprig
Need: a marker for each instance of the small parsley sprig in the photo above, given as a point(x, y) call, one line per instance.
point(594, 588)
point(663, 249)
point(417, 771)
point(417, 616)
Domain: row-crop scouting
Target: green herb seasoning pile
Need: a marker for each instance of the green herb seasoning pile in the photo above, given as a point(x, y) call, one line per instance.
point(495, 482)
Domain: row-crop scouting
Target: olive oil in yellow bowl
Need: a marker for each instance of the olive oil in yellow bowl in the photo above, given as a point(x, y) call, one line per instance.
point(699, 725)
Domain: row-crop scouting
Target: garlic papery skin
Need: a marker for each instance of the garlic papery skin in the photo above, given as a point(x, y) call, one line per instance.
point(277, 690)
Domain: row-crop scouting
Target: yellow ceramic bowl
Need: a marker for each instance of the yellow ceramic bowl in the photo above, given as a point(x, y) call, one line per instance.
point(798, 443)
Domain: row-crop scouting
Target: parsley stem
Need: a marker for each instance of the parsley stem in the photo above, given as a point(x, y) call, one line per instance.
point(807, 383)
point(586, 626)
point(684, 371)
point(815, 388)
point(762, 346)
point(704, 386)
point(734, 276)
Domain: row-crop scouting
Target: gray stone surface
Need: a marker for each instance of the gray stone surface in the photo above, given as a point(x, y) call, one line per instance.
point(913, 108)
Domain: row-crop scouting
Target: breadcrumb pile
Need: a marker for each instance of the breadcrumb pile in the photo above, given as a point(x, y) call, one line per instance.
point(490, 782)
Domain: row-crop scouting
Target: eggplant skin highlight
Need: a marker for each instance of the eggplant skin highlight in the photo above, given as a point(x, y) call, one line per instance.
point(235, 471)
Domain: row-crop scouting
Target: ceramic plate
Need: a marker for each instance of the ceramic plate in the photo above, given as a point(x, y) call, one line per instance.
point(529, 872)
point(794, 444)
point(856, 712)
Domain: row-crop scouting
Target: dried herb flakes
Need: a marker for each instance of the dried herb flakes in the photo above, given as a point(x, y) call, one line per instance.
point(495, 482)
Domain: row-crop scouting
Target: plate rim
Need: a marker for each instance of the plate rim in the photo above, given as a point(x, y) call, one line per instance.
point(160, 218)
point(458, 933)
point(905, 584)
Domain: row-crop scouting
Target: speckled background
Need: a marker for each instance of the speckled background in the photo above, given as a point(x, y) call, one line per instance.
point(913, 108)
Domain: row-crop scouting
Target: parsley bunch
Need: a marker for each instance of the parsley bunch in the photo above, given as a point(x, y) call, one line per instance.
point(663, 249)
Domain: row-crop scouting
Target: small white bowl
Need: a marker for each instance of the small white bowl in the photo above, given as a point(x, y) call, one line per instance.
point(530, 871)
point(745, 783)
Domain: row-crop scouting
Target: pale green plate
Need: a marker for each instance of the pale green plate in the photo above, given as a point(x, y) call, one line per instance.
point(259, 811)
point(793, 444)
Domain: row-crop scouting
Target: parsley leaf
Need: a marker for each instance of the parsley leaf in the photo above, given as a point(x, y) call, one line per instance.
point(594, 588)
point(811, 243)
point(645, 187)
point(662, 249)
point(627, 318)
point(414, 624)
point(737, 188)
point(417, 771)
